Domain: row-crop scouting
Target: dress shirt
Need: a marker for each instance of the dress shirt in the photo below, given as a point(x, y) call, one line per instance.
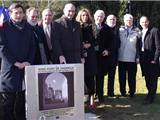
point(144, 31)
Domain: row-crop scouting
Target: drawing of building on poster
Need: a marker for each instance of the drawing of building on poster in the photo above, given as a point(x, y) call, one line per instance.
point(56, 90)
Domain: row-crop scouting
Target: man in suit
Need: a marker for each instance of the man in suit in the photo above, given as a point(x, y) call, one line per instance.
point(67, 42)
point(47, 24)
point(17, 50)
point(103, 37)
point(149, 57)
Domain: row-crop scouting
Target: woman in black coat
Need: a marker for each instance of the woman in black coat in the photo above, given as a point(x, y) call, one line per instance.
point(89, 53)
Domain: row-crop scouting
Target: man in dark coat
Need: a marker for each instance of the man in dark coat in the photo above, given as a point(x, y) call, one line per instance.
point(103, 38)
point(17, 50)
point(46, 24)
point(42, 53)
point(112, 59)
point(67, 42)
point(149, 57)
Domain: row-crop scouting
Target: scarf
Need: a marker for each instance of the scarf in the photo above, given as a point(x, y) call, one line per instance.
point(18, 25)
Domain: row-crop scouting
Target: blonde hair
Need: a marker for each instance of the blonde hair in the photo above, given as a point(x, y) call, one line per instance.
point(79, 19)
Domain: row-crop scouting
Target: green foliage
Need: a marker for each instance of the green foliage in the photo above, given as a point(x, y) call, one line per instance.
point(122, 11)
point(119, 8)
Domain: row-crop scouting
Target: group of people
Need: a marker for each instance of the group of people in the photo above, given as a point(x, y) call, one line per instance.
point(99, 45)
point(138, 46)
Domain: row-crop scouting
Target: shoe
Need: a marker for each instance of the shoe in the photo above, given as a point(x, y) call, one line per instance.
point(123, 95)
point(148, 101)
point(101, 99)
point(131, 95)
point(92, 106)
point(111, 95)
point(95, 96)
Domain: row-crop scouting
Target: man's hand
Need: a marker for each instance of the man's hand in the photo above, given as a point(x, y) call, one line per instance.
point(62, 60)
point(105, 53)
point(153, 62)
point(82, 60)
point(19, 65)
point(26, 64)
point(86, 45)
point(137, 60)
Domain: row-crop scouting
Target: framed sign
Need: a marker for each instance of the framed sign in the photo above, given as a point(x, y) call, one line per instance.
point(55, 92)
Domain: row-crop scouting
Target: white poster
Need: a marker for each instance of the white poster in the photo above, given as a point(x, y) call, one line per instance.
point(55, 92)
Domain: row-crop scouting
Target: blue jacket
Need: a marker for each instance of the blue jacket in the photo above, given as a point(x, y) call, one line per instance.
point(15, 45)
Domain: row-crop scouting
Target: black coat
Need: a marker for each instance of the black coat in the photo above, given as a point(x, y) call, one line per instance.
point(115, 44)
point(16, 45)
point(89, 53)
point(67, 40)
point(42, 51)
point(50, 53)
point(103, 38)
point(151, 52)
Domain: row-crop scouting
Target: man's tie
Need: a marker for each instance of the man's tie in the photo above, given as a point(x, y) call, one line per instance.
point(48, 37)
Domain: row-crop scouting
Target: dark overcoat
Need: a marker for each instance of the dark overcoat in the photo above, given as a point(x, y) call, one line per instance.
point(115, 44)
point(103, 38)
point(89, 53)
point(67, 40)
point(151, 52)
point(50, 57)
point(16, 45)
point(42, 51)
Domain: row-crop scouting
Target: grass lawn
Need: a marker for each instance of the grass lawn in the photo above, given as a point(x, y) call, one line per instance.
point(128, 108)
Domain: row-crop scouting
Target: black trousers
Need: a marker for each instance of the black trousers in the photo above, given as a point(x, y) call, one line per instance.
point(151, 84)
point(90, 85)
point(130, 69)
point(12, 106)
point(99, 86)
point(111, 77)
point(150, 72)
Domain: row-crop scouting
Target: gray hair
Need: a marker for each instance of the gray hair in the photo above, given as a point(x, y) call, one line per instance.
point(128, 16)
point(47, 9)
point(99, 12)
